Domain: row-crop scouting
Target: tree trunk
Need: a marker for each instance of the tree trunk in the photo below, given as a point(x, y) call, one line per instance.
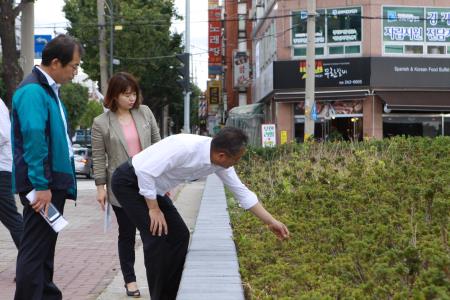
point(12, 73)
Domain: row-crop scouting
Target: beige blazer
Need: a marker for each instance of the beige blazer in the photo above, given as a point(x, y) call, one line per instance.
point(109, 148)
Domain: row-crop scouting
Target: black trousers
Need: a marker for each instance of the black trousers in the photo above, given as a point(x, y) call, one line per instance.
point(35, 261)
point(125, 244)
point(8, 209)
point(164, 255)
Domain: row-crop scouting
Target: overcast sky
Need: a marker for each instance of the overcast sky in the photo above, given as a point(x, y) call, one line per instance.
point(49, 19)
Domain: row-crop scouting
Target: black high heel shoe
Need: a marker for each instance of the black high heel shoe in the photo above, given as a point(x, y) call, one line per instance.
point(135, 294)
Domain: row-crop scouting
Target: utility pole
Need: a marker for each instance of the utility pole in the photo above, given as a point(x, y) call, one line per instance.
point(111, 38)
point(187, 48)
point(102, 46)
point(310, 68)
point(27, 39)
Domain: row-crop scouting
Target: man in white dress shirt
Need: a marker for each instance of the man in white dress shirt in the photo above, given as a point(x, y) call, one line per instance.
point(8, 209)
point(141, 183)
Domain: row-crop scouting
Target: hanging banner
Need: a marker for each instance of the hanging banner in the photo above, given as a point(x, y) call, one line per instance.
point(241, 69)
point(214, 94)
point(214, 42)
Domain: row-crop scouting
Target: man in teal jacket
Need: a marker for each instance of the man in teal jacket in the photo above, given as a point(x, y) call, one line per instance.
point(43, 160)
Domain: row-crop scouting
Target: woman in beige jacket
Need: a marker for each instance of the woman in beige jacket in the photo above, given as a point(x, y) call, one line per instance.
point(119, 133)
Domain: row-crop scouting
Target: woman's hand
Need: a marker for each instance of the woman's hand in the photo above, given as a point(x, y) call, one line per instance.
point(101, 196)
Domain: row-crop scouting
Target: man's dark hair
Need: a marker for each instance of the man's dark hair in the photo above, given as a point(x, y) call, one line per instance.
point(230, 140)
point(61, 47)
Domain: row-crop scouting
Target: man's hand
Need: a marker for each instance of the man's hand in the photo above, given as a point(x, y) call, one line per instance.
point(42, 201)
point(279, 229)
point(101, 196)
point(158, 223)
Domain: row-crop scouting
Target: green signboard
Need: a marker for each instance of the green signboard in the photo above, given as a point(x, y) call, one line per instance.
point(344, 25)
point(403, 24)
point(438, 25)
point(299, 21)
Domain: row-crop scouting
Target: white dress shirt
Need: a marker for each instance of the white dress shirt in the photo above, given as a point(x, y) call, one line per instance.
point(55, 87)
point(179, 158)
point(5, 139)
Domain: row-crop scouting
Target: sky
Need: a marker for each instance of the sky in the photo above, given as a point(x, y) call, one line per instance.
point(49, 19)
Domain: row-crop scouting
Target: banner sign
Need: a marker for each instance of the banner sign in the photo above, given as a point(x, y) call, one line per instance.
point(214, 40)
point(268, 135)
point(241, 68)
point(342, 25)
point(343, 72)
point(416, 24)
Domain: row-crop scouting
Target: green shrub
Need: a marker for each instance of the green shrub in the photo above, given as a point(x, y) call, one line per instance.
point(368, 220)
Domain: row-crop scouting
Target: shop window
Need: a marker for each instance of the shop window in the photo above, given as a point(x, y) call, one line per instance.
point(436, 49)
point(302, 51)
point(411, 125)
point(394, 49)
point(356, 49)
point(413, 49)
point(336, 50)
point(447, 126)
point(448, 49)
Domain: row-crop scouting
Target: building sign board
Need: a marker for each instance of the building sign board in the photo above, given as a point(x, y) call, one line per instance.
point(403, 24)
point(437, 24)
point(214, 41)
point(343, 72)
point(402, 72)
point(416, 24)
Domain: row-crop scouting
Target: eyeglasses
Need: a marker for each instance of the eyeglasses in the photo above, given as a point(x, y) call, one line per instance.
point(74, 66)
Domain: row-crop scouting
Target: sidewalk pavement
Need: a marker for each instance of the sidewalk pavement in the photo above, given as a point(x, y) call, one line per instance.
point(86, 260)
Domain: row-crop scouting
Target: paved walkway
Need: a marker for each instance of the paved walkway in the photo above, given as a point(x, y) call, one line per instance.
point(87, 265)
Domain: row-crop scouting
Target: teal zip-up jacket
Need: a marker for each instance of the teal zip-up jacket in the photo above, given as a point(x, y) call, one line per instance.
point(41, 156)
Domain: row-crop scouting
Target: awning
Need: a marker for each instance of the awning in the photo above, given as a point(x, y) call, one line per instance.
point(416, 100)
point(328, 95)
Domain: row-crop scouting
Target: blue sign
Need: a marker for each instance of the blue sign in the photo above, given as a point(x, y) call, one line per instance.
point(39, 43)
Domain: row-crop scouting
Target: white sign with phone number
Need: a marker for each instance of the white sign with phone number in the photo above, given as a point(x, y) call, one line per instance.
point(268, 134)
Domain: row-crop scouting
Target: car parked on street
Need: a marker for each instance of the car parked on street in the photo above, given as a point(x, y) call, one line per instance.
point(83, 161)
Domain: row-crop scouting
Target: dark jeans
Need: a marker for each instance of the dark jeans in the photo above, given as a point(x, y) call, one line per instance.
point(35, 261)
point(164, 255)
point(8, 209)
point(126, 242)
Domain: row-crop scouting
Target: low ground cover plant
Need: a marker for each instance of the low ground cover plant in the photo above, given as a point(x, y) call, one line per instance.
point(368, 220)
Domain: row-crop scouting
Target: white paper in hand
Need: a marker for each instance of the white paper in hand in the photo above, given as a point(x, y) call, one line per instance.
point(53, 217)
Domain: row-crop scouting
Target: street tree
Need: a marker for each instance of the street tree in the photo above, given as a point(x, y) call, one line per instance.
point(93, 109)
point(75, 98)
point(144, 45)
point(12, 72)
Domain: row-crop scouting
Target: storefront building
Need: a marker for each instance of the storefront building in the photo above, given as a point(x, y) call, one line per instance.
point(381, 69)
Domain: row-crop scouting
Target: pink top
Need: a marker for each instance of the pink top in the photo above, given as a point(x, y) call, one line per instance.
point(132, 138)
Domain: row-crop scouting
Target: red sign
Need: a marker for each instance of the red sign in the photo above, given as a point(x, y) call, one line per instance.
point(215, 37)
